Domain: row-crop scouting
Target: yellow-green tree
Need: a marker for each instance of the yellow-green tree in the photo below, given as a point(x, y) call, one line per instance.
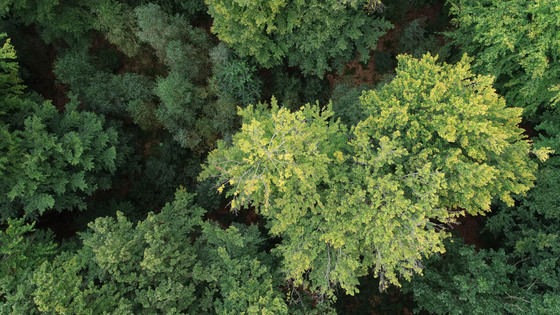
point(438, 142)
point(454, 119)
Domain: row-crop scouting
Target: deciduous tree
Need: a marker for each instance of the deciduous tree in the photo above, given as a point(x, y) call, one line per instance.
point(438, 142)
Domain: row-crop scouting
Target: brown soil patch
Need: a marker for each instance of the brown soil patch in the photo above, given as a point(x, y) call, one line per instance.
point(468, 228)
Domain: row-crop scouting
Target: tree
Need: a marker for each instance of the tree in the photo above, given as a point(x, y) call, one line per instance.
point(317, 36)
point(190, 110)
point(529, 235)
point(51, 159)
point(438, 143)
point(118, 21)
point(453, 119)
point(171, 262)
point(102, 91)
point(416, 42)
point(464, 280)
point(346, 103)
point(515, 41)
point(194, 10)
point(22, 250)
point(62, 158)
point(233, 77)
point(521, 277)
point(69, 21)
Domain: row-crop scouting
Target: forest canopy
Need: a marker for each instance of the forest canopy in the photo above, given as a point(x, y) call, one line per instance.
point(279, 157)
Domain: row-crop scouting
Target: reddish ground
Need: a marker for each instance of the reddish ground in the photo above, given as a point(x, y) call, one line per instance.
point(468, 228)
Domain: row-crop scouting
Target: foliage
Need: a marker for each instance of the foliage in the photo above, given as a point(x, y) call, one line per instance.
point(404, 168)
point(416, 42)
point(395, 10)
point(69, 21)
point(22, 250)
point(63, 157)
point(314, 189)
point(10, 83)
point(192, 9)
point(165, 167)
point(234, 77)
point(317, 36)
point(384, 62)
point(346, 103)
point(529, 233)
point(53, 159)
point(72, 21)
point(517, 42)
point(464, 280)
point(104, 92)
point(118, 22)
point(156, 267)
point(522, 277)
point(454, 120)
point(526, 279)
point(181, 102)
point(293, 89)
point(190, 110)
point(364, 187)
point(176, 43)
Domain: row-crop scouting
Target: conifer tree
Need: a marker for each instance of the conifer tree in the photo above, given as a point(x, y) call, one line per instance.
point(317, 36)
point(515, 41)
point(51, 160)
point(22, 250)
point(171, 262)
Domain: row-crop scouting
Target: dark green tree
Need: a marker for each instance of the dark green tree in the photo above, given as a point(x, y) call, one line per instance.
point(118, 22)
point(52, 160)
point(72, 21)
point(234, 77)
point(346, 103)
point(103, 92)
point(317, 36)
point(56, 20)
point(466, 281)
point(415, 41)
point(189, 109)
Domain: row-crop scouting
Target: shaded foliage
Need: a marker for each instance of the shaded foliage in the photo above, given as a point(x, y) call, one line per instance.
point(316, 36)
